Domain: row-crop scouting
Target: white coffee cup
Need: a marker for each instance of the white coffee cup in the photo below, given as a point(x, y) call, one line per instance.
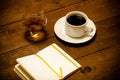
point(76, 24)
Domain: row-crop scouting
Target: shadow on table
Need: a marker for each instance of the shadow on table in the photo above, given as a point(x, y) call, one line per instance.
point(77, 45)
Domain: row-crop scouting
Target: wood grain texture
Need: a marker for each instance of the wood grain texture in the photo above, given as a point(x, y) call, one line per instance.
point(99, 57)
point(51, 21)
point(101, 63)
point(14, 10)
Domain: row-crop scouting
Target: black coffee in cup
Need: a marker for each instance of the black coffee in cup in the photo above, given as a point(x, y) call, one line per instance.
point(76, 20)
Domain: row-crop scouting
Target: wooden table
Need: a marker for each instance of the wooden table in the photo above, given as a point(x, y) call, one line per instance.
point(100, 58)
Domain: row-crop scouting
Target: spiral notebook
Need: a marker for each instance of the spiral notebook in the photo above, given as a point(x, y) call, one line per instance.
point(50, 63)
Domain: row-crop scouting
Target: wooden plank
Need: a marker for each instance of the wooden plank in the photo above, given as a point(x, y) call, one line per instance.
point(102, 65)
point(13, 10)
point(8, 74)
point(51, 5)
point(11, 37)
point(111, 75)
point(98, 10)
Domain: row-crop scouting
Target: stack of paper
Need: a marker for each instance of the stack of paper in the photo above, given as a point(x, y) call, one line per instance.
point(51, 63)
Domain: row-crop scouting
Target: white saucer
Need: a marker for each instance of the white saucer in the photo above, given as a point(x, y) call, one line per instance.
point(59, 29)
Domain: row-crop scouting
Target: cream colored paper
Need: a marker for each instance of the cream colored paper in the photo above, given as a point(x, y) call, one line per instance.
point(51, 63)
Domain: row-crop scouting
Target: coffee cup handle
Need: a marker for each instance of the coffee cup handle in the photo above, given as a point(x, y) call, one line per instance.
point(88, 30)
